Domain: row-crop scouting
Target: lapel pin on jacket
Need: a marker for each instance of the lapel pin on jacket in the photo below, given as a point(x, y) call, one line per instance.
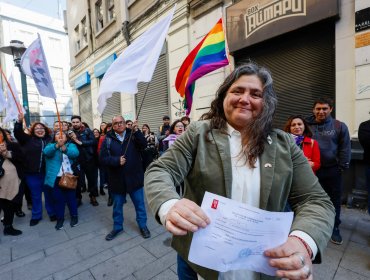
point(268, 165)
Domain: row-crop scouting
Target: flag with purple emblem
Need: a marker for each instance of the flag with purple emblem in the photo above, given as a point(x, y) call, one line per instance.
point(33, 63)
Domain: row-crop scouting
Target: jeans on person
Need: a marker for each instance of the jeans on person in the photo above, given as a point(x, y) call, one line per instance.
point(330, 179)
point(61, 198)
point(137, 198)
point(184, 271)
point(35, 182)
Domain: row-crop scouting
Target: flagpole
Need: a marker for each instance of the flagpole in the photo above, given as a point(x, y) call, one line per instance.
point(137, 116)
point(10, 88)
point(58, 115)
point(226, 44)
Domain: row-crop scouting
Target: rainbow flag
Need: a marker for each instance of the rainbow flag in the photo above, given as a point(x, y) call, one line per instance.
point(207, 56)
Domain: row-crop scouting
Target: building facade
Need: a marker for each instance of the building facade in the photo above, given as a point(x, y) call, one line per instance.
point(24, 25)
point(313, 48)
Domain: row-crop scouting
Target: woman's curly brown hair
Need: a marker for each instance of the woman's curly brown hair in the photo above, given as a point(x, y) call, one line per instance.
point(32, 129)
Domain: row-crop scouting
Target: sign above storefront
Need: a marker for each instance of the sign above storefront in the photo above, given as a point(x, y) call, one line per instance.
point(253, 21)
point(101, 67)
point(362, 20)
point(82, 80)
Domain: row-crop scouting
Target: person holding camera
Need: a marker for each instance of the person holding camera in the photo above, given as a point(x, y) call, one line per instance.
point(85, 141)
point(11, 173)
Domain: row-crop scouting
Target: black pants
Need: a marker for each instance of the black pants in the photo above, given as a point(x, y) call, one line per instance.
point(8, 208)
point(23, 191)
point(330, 179)
point(91, 171)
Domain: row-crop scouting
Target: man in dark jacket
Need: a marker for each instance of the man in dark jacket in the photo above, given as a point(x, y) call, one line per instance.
point(335, 152)
point(86, 144)
point(121, 154)
point(364, 137)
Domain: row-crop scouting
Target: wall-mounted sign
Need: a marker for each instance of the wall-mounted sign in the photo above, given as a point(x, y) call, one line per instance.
point(82, 80)
point(257, 17)
point(362, 20)
point(101, 67)
point(362, 82)
point(362, 40)
point(253, 21)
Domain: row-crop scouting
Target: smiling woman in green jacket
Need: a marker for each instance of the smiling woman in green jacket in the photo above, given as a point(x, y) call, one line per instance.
point(234, 152)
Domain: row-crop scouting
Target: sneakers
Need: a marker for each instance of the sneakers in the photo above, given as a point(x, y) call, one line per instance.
point(53, 218)
point(336, 238)
point(9, 230)
point(93, 201)
point(59, 224)
point(113, 234)
point(34, 222)
point(145, 232)
point(74, 221)
point(102, 192)
point(29, 205)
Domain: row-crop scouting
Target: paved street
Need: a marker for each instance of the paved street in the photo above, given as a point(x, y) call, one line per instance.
point(82, 253)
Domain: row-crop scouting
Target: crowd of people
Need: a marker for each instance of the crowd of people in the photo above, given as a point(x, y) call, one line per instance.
point(34, 160)
point(232, 151)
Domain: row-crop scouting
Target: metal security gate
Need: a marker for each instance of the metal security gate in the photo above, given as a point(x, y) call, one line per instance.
point(302, 64)
point(155, 104)
point(84, 100)
point(113, 107)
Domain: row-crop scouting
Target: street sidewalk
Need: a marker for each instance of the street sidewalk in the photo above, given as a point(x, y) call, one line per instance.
point(82, 253)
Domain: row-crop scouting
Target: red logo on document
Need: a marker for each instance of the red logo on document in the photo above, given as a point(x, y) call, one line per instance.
point(214, 204)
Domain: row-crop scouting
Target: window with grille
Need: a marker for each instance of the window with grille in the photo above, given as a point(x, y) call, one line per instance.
point(110, 10)
point(55, 44)
point(77, 36)
point(84, 31)
point(99, 16)
point(56, 74)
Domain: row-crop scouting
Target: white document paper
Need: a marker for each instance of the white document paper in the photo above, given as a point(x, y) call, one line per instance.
point(238, 235)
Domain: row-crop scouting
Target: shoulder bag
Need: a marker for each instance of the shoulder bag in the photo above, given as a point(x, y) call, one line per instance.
point(68, 180)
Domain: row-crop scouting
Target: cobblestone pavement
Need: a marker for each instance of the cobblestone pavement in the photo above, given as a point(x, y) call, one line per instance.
point(81, 252)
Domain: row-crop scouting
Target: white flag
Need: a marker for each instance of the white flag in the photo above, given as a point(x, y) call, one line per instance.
point(136, 63)
point(33, 63)
point(11, 106)
point(2, 97)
